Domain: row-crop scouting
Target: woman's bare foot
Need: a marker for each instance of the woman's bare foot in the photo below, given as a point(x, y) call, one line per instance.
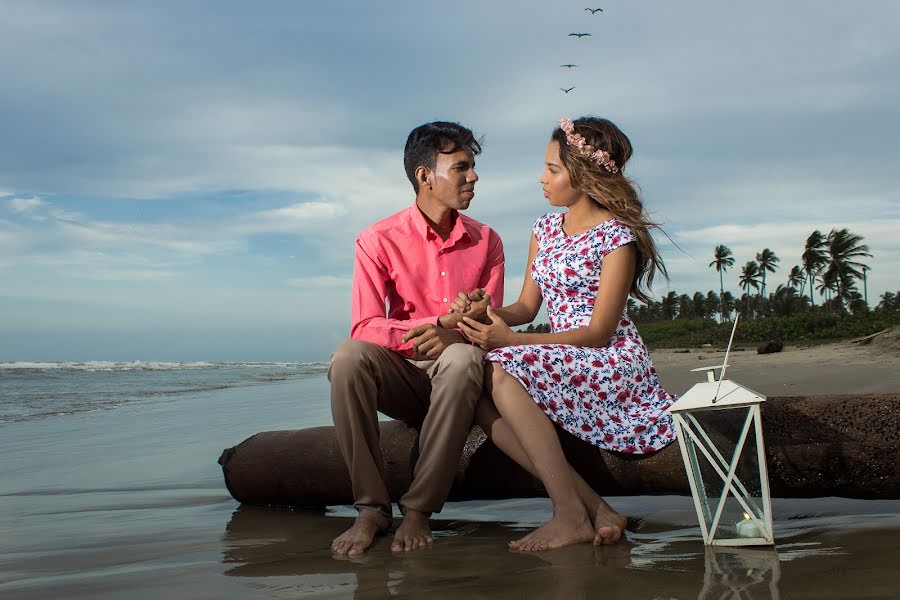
point(608, 525)
point(361, 534)
point(560, 531)
point(413, 533)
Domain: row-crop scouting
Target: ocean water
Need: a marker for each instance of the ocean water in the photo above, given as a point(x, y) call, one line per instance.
point(31, 390)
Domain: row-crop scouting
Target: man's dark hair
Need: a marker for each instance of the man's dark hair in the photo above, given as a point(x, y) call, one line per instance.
point(426, 141)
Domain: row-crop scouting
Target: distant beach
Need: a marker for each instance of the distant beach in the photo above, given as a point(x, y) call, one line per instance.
point(838, 368)
point(123, 498)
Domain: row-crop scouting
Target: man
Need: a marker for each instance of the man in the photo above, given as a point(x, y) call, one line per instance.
point(414, 364)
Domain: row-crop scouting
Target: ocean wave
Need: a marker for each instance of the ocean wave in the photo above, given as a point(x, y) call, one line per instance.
point(137, 365)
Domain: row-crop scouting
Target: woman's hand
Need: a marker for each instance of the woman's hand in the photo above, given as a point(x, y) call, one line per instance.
point(495, 334)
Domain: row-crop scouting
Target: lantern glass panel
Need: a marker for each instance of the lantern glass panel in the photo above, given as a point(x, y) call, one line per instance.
point(716, 434)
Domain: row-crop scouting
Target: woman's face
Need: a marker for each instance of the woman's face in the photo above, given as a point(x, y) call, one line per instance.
point(558, 188)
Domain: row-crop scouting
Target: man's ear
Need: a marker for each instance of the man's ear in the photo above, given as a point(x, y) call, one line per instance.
point(423, 175)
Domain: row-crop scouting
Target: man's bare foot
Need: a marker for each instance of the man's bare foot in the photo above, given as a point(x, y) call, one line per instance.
point(361, 534)
point(413, 533)
point(609, 526)
point(560, 531)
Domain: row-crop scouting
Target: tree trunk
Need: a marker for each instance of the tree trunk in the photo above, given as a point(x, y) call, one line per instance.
point(816, 446)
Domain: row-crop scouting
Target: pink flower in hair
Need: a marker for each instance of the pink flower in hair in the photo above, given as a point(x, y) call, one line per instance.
point(601, 158)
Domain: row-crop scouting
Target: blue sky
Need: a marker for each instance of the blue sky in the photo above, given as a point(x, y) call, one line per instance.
point(185, 180)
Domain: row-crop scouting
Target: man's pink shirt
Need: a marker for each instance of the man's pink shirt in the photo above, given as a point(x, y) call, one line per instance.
point(402, 262)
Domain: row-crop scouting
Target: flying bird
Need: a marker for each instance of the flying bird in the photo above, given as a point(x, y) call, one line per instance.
point(594, 11)
point(578, 35)
point(568, 90)
point(568, 66)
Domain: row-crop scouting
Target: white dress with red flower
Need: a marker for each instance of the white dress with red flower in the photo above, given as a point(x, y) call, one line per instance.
point(607, 396)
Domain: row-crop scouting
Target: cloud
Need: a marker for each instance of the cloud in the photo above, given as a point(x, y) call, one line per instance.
point(24, 205)
point(293, 219)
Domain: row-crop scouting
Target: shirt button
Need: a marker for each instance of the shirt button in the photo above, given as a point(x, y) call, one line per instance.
point(443, 273)
point(445, 299)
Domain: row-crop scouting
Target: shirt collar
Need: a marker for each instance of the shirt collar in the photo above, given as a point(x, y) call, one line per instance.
point(459, 231)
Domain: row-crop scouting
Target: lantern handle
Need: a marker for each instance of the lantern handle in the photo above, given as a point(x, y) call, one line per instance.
point(727, 353)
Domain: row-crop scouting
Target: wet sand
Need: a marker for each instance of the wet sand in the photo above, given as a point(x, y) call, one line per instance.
point(129, 503)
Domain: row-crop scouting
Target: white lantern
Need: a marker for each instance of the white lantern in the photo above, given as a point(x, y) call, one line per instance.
point(720, 434)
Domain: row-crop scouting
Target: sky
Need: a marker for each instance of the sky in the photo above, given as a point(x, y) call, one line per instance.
point(185, 180)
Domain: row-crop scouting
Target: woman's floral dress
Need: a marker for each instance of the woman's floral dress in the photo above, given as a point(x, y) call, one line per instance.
point(607, 396)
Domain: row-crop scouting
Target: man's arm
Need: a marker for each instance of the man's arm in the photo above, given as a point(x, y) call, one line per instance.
point(492, 276)
point(368, 321)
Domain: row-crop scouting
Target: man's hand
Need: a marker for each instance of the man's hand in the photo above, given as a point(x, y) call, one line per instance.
point(472, 304)
point(463, 300)
point(429, 341)
point(478, 309)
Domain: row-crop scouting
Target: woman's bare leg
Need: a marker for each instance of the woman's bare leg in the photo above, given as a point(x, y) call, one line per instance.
point(608, 524)
point(571, 523)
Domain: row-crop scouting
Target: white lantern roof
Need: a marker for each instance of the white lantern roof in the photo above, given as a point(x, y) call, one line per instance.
point(714, 393)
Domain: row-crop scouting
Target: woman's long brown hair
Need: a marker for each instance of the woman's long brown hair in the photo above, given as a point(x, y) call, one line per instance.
point(615, 192)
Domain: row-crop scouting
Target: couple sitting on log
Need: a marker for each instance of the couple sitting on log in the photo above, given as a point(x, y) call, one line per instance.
point(444, 356)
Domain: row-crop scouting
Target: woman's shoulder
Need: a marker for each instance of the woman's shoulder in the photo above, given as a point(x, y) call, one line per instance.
point(546, 225)
point(615, 233)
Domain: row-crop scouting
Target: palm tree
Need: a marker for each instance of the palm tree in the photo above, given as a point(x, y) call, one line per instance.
point(827, 284)
point(713, 304)
point(845, 250)
point(786, 301)
point(767, 262)
point(890, 302)
point(630, 306)
point(722, 259)
point(670, 305)
point(813, 259)
point(865, 270)
point(749, 277)
point(698, 305)
point(797, 278)
point(728, 304)
point(685, 308)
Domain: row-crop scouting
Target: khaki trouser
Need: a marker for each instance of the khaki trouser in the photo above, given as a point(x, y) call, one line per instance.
point(438, 394)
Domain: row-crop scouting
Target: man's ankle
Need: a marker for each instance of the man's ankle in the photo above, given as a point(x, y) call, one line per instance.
point(415, 515)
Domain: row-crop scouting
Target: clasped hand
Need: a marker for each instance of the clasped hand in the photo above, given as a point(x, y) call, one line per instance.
point(493, 334)
point(473, 305)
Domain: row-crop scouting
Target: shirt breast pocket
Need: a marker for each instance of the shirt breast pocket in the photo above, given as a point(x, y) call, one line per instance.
point(471, 276)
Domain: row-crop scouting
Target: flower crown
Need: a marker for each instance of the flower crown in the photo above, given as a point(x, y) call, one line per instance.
point(601, 158)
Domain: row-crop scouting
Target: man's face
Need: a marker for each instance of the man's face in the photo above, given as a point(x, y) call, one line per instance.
point(453, 179)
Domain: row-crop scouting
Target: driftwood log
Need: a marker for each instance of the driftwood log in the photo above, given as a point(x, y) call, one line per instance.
point(816, 446)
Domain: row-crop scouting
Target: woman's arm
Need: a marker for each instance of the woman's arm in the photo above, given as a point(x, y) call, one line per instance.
point(526, 308)
point(474, 304)
point(615, 283)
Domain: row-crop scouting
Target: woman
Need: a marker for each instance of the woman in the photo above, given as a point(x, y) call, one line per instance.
point(592, 374)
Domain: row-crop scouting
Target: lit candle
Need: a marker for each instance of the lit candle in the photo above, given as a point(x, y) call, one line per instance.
point(747, 528)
